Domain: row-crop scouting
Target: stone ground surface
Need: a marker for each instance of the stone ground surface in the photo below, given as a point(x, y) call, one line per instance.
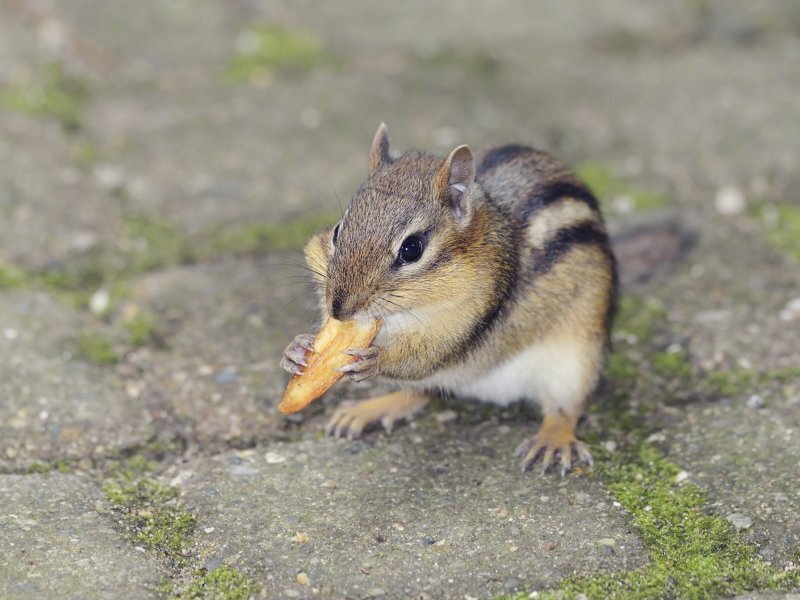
point(134, 168)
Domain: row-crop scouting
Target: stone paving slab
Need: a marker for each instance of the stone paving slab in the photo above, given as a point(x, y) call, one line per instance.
point(748, 458)
point(48, 218)
point(727, 301)
point(56, 545)
point(224, 328)
point(439, 512)
point(55, 406)
point(726, 307)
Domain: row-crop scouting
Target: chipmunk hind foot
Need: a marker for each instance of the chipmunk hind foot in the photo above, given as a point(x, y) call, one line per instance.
point(350, 421)
point(555, 441)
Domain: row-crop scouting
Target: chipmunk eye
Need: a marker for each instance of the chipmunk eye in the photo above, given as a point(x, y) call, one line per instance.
point(411, 249)
point(335, 234)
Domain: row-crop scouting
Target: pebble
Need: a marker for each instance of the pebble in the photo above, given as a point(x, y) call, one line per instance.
point(291, 593)
point(610, 446)
point(302, 578)
point(205, 370)
point(109, 177)
point(301, 537)
point(624, 204)
point(273, 458)
point(226, 375)
point(730, 200)
point(242, 470)
point(550, 546)
point(755, 402)
point(791, 311)
point(446, 416)
point(682, 476)
point(10, 334)
point(739, 521)
point(99, 302)
point(375, 593)
point(511, 584)
point(607, 542)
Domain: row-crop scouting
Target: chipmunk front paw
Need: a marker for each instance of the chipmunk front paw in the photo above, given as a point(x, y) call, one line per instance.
point(294, 357)
point(365, 365)
point(555, 438)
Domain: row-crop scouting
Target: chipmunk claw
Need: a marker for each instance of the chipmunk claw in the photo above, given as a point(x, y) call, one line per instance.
point(555, 440)
point(365, 365)
point(563, 456)
point(294, 357)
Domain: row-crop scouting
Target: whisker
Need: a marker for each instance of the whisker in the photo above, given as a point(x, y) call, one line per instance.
point(338, 199)
point(402, 308)
point(391, 314)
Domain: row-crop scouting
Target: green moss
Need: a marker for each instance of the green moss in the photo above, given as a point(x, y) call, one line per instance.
point(266, 236)
point(154, 244)
point(61, 465)
point(692, 554)
point(268, 49)
point(96, 348)
point(604, 184)
point(10, 277)
point(639, 317)
point(142, 329)
point(148, 244)
point(475, 63)
point(621, 368)
point(84, 153)
point(53, 94)
point(731, 383)
point(145, 245)
point(598, 178)
point(72, 282)
point(672, 365)
point(39, 467)
point(782, 375)
point(222, 583)
point(152, 515)
point(136, 462)
point(783, 228)
point(740, 382)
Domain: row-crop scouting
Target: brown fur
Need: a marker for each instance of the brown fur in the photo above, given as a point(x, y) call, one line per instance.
point(516, 260)
point(490, 256)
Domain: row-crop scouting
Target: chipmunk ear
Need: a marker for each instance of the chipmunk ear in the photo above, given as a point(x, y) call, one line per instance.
point(379, 151)
point(453, 178)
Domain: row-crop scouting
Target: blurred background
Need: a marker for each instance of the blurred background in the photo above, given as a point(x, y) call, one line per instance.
point(162, 162)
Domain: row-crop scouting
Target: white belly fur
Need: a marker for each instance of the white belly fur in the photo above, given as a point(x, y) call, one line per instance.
point(554, 373)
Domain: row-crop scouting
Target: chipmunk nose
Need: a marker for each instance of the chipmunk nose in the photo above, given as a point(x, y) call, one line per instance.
point(343, 307)
point(336, 307)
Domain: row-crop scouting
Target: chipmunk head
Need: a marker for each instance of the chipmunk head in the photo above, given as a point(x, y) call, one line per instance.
point(404, 238)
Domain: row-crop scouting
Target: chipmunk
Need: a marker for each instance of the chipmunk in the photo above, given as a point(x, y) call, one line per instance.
point(494, 278)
